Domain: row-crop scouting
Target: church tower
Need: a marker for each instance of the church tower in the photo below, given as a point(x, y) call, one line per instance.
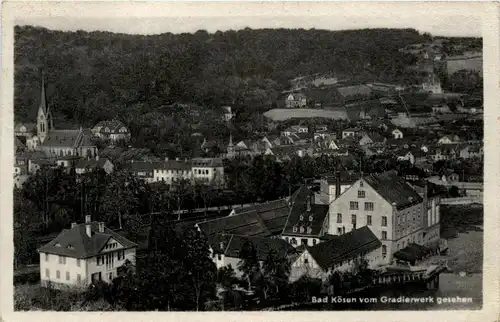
point(230, 147)
point(44, 118)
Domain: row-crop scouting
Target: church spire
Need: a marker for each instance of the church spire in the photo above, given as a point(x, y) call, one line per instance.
point(43, 97)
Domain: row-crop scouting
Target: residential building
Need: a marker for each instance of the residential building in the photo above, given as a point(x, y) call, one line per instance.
point(228, 113)
point(208, 170)
point(113, 130)
point(171, 171)
point(354, 132)
point(337, 253)
point(84, 165)
point(471, 151)
point(295, 100)
point(306, 223)
point(372, 139)
point(385, 203)
point(225, 249)
point(142, 169)
point(84, 254)
point(405, 155)
point(397, 134)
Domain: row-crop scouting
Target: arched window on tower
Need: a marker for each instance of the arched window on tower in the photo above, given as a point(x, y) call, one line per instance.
point(384, 251)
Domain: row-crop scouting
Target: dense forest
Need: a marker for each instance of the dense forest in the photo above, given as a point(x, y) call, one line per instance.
point(97, 75)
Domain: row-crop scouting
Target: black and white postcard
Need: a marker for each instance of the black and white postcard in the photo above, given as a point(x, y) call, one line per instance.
point(330, 159)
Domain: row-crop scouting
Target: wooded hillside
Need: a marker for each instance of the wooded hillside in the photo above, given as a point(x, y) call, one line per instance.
point(97, 75)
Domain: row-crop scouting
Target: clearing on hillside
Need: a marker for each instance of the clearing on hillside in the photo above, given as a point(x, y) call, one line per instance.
point(283, 114)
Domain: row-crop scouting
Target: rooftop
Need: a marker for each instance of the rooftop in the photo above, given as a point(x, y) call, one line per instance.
point(75, 242)
point(344, 247)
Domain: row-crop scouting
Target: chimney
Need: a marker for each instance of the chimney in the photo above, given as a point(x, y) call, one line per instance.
point(101, 227)
point(73, 224)
point(88, 226)
point(309, 203)
point(337, 184)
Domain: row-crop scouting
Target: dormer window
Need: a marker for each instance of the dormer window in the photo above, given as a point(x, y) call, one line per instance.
point(310, 218)
point(57, 245)
point(309, 230)
point(294, 229)
point(301, 230)
point(70, 247)
point(301, 217)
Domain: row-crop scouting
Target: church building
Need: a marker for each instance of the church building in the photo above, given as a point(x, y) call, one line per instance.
point(60, 142)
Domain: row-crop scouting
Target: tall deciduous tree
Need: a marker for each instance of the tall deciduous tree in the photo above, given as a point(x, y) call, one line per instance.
point(249, 263)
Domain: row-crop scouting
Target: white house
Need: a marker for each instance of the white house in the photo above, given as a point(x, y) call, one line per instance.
point(171, 171)
point(83, 254)
point(296, 100)
point(209, 170)
point(113, 130)
point(397, 134)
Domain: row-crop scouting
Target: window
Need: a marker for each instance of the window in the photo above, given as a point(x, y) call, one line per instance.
point(67, 276)
point(384, 221)
point(301, 229)
point(301, 217)
point(309, 230)
point(310, 218)
point(339, 231)
point(384, 235)
point(314, 242)
point(361, 184)
point(62, 259)
point(384, 251)
point(294, 241)
point(339, 218)
point(58, 274)
point(306, 261)
point(368, 220)
point(96, 277)
point(46, 257)
point(361, 193)
point(219, 256)
point(353, 219)
point(353, 205)
point(78, 278)
point(303, 241)
point(294, 229)
point(369, 206)
point(47, 273)
point(287, 239)
point(110, 276)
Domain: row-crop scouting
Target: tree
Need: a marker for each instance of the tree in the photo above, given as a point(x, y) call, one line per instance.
point(276, 271)
point(249, 263)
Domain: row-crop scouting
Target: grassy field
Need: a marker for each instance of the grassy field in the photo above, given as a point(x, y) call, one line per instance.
point(283, 114)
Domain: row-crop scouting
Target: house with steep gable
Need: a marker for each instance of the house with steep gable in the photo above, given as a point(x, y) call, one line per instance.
point(84, 254)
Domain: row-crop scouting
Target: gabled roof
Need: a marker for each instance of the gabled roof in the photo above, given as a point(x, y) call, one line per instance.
point(393, 189)
point(75, 242)
point(273, 213)
point(207, 162)
point(262, 245)
point(91, 163)
point(113, 125)
point(63, 138)
point(376, 138)
point(344, 247)
point(300, 217)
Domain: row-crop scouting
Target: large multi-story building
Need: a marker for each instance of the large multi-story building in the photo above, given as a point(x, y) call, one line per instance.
point(84, 254)
point(390, 207)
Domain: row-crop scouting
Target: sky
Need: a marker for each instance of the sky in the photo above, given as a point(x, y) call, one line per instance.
point(436, 24)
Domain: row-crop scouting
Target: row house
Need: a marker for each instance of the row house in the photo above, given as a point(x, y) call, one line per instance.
point(84, 254)
point(385, 203)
